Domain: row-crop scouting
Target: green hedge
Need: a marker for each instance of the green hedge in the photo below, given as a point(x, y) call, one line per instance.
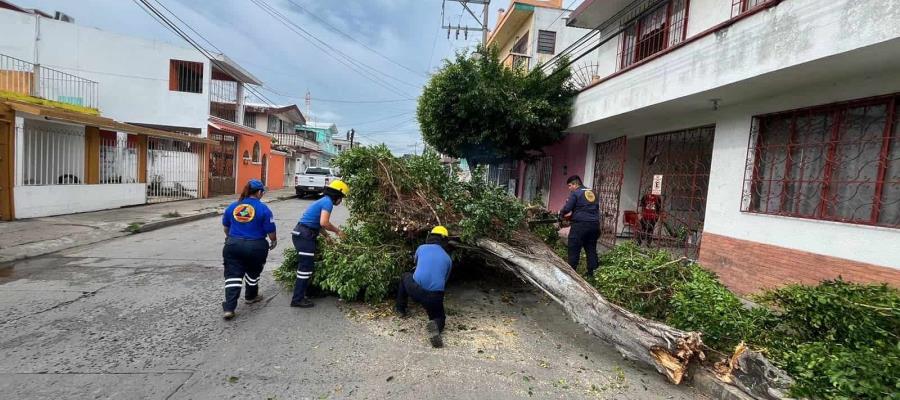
point(839, 340)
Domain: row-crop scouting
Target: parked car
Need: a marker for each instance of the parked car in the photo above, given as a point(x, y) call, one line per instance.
point(313, 181)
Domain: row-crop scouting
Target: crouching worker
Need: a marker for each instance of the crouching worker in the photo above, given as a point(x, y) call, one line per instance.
point(316, 217)
point(247, 222)
point(426, 284)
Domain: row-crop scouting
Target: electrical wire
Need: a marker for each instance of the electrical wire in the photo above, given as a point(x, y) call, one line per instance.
point(329, 50)
point(325, 22)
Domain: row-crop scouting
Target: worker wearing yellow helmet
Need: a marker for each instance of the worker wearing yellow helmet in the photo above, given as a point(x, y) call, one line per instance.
point(315, 218)
point(427, 282)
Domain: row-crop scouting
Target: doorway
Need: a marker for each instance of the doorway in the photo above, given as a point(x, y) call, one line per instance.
point(221, 163)
point(264, 171)
point(6, 171)
point(609, 170)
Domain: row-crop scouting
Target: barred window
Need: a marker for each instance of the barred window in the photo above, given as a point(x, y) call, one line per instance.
point(739, 7)
point(838, 162)
point(53, 154)
point(657, 30)
point(185, 76)
point(250, 119)
point(546, 42)
point(256, 152)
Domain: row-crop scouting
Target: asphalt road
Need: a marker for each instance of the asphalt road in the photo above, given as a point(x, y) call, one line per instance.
point(139, 317)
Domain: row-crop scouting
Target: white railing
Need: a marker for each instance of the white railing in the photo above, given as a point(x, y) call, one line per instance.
point(118, 160)
point(53, 154)
point(24, 78)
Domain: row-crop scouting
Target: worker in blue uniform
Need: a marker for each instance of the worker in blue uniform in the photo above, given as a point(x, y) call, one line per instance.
point(247, 223)
point(583, 209)
point(426, 284)
point(315, 218)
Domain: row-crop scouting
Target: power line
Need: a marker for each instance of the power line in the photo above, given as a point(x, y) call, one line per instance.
point(348, 61)
point(159, 17)
point(560, 14)
point(354, 39)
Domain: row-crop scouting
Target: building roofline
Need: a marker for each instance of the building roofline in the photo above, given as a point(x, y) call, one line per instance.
point(233, 69)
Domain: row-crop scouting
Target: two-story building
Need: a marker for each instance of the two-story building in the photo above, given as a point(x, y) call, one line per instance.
point(529, 33)
point(324, 133)
point(290, 150)
point(768, 127)
point(104, 125)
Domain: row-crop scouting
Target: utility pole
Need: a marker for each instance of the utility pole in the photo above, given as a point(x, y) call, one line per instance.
point(350, 135)
point(482, 22)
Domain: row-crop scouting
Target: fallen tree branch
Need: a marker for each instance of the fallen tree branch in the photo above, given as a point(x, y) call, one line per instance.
point(668, 350)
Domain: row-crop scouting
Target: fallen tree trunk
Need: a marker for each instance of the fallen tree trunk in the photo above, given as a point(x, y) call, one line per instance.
point(667, 349)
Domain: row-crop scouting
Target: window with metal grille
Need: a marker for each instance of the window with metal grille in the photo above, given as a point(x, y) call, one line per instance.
point(256, 152)
point(250, 119)
point(837, 162)
point(546, 42)
point(272, 125)
point(185, 76)
point(53, 154)
point(656, 30)
point(739, 7)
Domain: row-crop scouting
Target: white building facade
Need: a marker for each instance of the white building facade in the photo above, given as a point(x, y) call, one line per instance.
point(770, 129)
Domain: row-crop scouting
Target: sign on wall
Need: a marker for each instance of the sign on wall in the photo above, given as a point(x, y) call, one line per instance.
point(657, 185)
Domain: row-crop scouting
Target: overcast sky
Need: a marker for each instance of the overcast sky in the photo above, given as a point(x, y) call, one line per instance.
point(406, 35)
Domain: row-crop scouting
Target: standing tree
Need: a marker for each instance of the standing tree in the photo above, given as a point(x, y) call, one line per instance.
point(479, 109)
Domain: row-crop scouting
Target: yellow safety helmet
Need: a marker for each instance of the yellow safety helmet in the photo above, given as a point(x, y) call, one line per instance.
point(440, 230)
point(340, 186)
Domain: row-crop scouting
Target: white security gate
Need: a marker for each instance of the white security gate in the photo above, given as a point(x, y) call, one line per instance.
point(173, 170)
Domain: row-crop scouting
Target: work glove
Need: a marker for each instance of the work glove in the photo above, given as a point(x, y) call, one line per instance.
point(272, 244)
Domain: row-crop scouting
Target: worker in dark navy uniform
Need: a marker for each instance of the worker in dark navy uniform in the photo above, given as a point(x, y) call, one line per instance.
point(315, 218)
point(426, 284)
point(583, 209)
point(247, 223)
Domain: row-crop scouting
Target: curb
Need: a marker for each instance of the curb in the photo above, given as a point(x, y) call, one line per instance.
point(152, 226)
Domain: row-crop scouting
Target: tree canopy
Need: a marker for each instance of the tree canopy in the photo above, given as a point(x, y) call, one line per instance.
point(477, 108)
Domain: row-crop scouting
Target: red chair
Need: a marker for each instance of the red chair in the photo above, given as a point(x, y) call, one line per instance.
point(632, 222)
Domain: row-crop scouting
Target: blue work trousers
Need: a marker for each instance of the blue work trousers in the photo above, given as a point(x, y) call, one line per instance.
point(244, 260)
point(304, 239)
point(584, 235)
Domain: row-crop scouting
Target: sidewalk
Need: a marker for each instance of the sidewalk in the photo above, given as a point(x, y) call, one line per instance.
point(38, 236)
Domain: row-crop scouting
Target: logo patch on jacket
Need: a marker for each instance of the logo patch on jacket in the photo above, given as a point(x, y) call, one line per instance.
point(589, 196)
point(244, 213)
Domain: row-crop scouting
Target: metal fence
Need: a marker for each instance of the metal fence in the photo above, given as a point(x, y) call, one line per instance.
point(609, 172)
point(173, 170)
point(223, 99)
point(22, 77)
point(118, 160)
point(53, 154)
point(503, 175)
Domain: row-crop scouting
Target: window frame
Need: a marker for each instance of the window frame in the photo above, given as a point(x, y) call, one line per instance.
point(826, 209)
point(543, 35)
point(256, 154)
point(739, 7)
point(632, 56)
point(176, 69)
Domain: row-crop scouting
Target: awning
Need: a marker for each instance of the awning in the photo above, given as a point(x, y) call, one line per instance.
point(52, 113)
point(233, 128)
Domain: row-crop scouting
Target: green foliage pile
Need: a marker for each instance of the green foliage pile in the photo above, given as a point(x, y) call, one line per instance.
point(393, 204)
point(839, 340)
point(477, 108)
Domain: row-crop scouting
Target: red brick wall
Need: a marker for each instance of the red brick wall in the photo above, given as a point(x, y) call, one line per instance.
point(746, 267)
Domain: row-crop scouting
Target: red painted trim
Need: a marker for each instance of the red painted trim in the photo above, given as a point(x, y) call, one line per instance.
point(882, 164)
point(690, 40)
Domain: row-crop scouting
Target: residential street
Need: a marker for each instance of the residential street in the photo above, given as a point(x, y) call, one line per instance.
point(140, 317)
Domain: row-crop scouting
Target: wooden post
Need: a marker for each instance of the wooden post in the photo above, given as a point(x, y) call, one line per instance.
point(7, 158)
point(92, 155)
point(142, 159)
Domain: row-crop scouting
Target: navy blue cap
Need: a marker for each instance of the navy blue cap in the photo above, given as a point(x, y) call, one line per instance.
point(255, 184)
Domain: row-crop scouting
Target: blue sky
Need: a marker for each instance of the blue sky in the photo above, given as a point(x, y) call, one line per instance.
point(405, 31)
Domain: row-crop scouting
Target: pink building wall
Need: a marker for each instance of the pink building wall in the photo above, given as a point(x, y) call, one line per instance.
point(567, 159)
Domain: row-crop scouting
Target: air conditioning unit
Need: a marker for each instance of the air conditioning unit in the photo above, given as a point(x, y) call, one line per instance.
point(63, 17)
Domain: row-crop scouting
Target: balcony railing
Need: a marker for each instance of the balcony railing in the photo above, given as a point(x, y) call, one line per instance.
point(24, 78)
point(223, 99)
point(517, 60)
point(295, 140)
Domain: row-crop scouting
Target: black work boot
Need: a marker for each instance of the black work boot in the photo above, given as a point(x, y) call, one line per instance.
point(256, 299)
point(305, 303)
point(401, 312)
point(228, 315)
point(434, 335)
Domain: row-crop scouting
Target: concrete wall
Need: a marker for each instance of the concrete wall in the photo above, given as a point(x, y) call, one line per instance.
point(860, 243)
point(42, 201)
point(704, 14)
point(133, 74)
point(790, 34)
point(568, 158)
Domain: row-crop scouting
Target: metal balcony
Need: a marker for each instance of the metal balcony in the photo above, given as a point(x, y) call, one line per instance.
point(22, 78)
point(517, 60)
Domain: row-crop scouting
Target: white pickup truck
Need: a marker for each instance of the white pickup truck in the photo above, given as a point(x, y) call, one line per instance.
point(313, 181)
